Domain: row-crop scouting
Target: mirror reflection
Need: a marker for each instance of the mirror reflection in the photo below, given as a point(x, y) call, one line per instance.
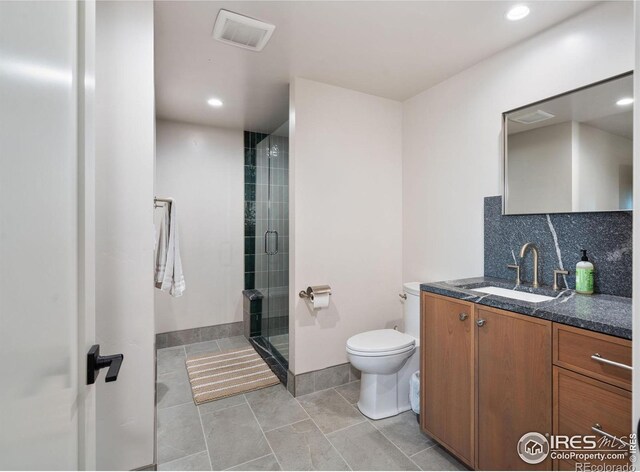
point(571, 153)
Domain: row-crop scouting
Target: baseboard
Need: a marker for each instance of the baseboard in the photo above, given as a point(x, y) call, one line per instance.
point(197, 335)
point(148, 467)
point(321, 379)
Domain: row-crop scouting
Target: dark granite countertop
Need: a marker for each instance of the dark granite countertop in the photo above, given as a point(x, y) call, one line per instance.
point(606, 314)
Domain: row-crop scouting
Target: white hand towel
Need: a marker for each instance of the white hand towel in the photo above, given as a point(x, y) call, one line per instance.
point(162, 243)
point(168, 271)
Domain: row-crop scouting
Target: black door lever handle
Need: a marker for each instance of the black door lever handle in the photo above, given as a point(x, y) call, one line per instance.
point(114, 362)
point(95, 362)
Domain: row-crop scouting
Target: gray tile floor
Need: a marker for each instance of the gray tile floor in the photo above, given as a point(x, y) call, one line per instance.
point(269, 429)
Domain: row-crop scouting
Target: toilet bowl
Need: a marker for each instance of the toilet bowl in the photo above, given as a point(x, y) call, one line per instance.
point(387, 358)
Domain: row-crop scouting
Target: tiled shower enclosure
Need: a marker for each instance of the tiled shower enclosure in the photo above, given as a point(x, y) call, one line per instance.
point(266, 220)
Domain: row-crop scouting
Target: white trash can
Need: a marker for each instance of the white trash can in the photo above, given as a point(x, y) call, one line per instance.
point(414, 392)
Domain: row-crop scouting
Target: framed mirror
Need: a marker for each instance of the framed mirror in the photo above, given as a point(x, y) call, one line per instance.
point(572, 152)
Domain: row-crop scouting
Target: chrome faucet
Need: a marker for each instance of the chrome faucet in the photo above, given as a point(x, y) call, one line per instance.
point(534, 249)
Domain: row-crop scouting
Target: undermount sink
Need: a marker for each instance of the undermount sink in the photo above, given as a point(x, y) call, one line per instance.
point(507, 293)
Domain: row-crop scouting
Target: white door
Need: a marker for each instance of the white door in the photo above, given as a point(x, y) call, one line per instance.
point(46, 235)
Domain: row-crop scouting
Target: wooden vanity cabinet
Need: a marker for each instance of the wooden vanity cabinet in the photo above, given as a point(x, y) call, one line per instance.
point(489, 376)
point(514, 394)
point(448, 396)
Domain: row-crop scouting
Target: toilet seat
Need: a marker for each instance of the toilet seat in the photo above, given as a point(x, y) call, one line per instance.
point(380, 342)
point(380, 354)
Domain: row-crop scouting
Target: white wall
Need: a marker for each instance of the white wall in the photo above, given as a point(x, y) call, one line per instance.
point(452, 133)
point(539, 171)
point(202, 169)
point(125, 121)
point(345, 217)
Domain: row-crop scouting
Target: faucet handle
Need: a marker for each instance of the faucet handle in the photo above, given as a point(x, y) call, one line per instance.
point(517, 269)
point(556, 273)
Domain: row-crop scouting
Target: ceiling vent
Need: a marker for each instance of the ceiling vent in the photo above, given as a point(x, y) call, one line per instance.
point(242, 31)
point(534, 117)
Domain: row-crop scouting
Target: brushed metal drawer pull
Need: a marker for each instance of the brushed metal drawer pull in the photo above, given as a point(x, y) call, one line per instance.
point(597, 357)
point(596, 428)
point(480, 323)
point(463, 316)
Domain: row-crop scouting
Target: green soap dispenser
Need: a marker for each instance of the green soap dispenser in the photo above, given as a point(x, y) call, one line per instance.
point(584, 275)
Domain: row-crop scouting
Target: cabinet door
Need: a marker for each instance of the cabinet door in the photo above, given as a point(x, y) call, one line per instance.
point(447, 386)
point(514, 386)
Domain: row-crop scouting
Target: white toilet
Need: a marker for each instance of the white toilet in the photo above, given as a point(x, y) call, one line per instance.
point(387, 358)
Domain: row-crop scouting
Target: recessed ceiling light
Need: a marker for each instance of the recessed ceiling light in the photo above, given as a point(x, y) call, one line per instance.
point(624, 101)
point(517, 13)
point(215, 102)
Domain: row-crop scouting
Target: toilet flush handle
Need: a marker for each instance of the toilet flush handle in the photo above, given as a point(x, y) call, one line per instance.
point(403, 296)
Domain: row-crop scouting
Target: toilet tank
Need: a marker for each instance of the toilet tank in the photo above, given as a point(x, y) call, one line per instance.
point(412, 309)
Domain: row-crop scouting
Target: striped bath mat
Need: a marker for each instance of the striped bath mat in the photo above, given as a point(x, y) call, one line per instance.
point(218, 375)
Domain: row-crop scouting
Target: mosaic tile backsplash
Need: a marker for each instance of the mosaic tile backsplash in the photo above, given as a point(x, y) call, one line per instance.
point(607, 237)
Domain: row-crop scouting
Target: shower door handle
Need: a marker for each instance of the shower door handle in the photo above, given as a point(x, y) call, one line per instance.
point(266, 243)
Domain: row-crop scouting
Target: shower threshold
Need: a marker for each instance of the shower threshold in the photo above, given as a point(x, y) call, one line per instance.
point(276, 362)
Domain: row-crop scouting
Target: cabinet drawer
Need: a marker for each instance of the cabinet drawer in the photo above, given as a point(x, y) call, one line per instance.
point(580, 403)
point(603, 357)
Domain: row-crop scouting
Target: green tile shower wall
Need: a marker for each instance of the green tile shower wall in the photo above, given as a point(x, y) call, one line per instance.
point(251, 139)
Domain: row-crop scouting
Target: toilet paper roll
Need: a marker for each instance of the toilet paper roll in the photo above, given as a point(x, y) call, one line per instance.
point(320, 300)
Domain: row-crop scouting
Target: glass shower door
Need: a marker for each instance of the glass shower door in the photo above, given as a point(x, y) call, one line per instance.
point(272, 249)
point(278, 257)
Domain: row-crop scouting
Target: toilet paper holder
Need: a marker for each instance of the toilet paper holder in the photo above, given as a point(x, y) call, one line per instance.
point(311, 292)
